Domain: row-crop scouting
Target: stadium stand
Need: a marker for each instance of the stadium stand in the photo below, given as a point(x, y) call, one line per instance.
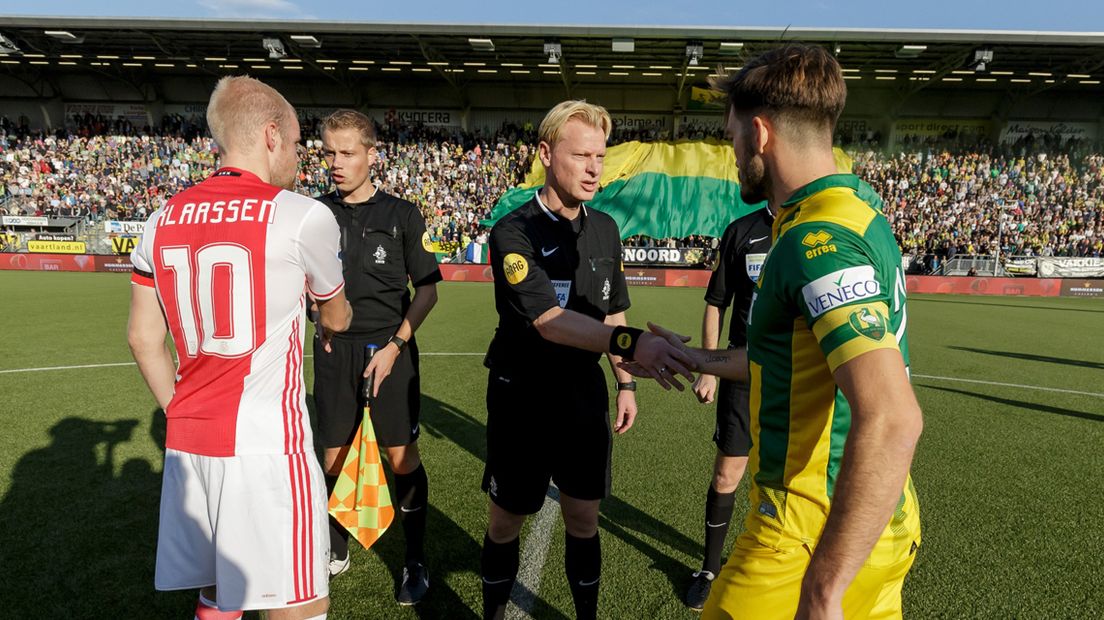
point(1026, 199)
point(972, 159)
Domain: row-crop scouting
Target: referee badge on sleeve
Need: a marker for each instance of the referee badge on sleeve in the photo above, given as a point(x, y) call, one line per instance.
point(427, 243)
point(753, 263)
point(563, 291)
point(515, 268)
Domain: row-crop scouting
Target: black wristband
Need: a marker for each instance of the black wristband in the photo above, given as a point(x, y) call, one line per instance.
point(629, 386)
point(398, 342)
point(623, 341)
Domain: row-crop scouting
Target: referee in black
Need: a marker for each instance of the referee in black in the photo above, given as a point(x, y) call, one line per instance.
point(561, 298)
point(382, 240)
point(743, 249)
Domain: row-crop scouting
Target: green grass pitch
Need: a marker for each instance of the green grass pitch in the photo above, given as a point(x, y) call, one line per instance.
point(1011, 480)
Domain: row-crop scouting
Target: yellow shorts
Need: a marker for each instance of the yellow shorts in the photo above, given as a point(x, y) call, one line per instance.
point(764, 582)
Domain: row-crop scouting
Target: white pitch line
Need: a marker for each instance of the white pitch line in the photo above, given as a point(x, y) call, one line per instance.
point(1021, 386)
point(1011, 385)
point(4, 372)
point(527, 586)
point(120, 364)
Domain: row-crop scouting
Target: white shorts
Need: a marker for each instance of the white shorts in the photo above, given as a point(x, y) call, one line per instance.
point(255, 526)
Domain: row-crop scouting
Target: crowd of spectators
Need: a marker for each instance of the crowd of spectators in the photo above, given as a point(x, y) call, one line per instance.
point(1020, 200)
point(1034, 199)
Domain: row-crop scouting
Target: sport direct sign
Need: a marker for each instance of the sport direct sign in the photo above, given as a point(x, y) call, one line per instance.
point(839, 288)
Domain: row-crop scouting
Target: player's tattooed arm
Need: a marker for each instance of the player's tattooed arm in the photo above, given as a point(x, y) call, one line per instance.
point(730, 364)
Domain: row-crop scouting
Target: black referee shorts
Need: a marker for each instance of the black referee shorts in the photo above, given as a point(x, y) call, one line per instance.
point(339, 400)
point(733, 431)
point(547, 428)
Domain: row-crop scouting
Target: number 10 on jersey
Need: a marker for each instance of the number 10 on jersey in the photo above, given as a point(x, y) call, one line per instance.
point(214, 297)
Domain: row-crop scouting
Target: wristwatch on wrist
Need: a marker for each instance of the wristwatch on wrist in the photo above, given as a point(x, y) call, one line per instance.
point(627, 387)
point(398, 342)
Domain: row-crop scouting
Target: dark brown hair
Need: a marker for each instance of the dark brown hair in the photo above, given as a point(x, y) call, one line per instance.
point(795, 84)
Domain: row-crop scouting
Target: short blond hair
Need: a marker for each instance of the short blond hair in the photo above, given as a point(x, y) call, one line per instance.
point(594, 115)
point(239, 106)
point(351, 119)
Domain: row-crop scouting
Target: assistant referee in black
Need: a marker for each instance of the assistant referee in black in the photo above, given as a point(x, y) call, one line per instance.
point(561, 298)
point(744, 247)
point(383, 244)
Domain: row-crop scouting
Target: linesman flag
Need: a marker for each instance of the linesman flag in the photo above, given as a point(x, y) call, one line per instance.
point(361, 501)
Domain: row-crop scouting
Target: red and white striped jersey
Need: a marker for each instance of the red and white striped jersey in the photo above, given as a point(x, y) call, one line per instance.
point(232, 259)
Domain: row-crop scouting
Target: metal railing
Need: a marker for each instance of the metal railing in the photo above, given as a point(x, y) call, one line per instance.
point(975, 264)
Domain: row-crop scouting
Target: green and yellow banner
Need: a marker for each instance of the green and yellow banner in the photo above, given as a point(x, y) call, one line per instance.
point(707, 99)
point(661, 189)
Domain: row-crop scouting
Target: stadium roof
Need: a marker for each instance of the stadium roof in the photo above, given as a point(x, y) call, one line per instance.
point(465, 54)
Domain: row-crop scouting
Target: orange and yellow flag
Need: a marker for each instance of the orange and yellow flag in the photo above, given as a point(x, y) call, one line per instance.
point(361, 501)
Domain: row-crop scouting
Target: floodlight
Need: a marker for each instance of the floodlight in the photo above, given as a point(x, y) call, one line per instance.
point(275, 48)
point(554, 51)
point(694, 52)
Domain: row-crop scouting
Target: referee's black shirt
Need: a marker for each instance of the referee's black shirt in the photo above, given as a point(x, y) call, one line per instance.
point(383, 247)
point(743, 249)
point(541, 260)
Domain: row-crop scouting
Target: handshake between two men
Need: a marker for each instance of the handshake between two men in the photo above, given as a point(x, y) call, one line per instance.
point(731, 364)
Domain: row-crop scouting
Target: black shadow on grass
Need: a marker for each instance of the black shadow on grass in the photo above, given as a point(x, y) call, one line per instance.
point(442, 420)
point(631, 525)
point(1021, 404)
point(632, 518)
point(1031, 357)
point(77, 540)
point(449, 549)
point(927, 300)
point(541, 609)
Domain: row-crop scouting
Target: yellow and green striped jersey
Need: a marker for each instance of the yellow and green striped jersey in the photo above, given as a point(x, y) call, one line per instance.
point(830, 290)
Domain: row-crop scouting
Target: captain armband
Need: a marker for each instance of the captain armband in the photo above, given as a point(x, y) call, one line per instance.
point(623, 341)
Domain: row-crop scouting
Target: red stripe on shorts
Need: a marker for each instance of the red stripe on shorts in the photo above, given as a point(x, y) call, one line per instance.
point(310, 530)
point(294, 526)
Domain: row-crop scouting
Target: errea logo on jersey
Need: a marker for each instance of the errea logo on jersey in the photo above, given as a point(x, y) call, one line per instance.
point(839, 288)
point(819, 241)
point(818, 238)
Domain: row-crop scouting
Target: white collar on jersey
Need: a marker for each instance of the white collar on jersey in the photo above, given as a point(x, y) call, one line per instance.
point(549, 213)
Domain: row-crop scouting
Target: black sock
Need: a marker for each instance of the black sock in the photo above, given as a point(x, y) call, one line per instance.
point(339, 536)
point(499, 567)
point(412, 492)
point(718, 514)
point(583, 564)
